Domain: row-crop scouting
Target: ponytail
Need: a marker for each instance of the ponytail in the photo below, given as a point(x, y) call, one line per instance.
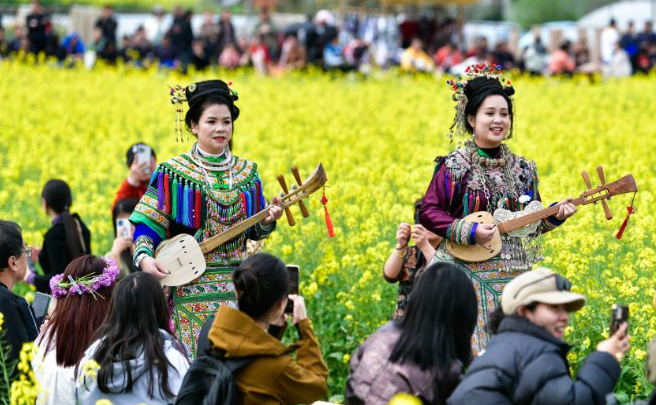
point(58, 197)
point(261, 281)
point(74, 239)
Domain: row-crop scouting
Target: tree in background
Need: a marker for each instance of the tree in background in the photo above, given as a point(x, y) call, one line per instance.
point(532, 12)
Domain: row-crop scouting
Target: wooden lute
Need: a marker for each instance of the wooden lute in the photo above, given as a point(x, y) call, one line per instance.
point(531, 215)
point(184, 257)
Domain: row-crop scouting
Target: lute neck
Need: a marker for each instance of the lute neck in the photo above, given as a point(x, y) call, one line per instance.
point(217, 240)
point(516, 223)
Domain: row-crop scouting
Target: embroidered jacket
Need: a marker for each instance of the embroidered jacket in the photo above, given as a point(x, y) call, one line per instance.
point(184, 198)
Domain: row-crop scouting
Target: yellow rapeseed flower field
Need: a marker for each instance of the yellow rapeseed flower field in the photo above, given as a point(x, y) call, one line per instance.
point(377, 139)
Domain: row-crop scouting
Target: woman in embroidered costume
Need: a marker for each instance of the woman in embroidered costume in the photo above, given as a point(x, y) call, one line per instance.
point(484, 175)
point(202, 193)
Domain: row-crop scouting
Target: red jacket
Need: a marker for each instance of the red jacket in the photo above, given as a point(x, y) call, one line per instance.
point(127, 190)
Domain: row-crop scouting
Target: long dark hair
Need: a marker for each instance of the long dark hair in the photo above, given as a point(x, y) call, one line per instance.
point(77, 316)
point(261, 281)
point(439, 320)
point(137, 312)
point(58, 197)
point(125, 206)
point(478, 89)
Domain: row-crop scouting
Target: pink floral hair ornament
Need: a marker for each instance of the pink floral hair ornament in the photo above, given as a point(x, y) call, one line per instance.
point(89, 284)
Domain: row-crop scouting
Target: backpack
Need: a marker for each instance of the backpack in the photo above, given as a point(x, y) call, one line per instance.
point(210, 379)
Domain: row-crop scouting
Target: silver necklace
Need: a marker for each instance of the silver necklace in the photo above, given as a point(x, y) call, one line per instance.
point(214, 167)
point(207, 164)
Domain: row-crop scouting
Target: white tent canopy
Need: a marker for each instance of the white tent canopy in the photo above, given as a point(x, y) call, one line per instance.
point(624, 11)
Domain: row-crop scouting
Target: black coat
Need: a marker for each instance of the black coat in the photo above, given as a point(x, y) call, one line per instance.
point(19, 324)
point(54, 256)
point(524, 364)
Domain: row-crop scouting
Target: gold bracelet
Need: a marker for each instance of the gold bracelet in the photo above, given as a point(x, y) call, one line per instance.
point(400, 253)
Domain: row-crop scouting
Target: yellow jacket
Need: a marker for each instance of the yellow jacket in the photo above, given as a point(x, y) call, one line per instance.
point(274, 377)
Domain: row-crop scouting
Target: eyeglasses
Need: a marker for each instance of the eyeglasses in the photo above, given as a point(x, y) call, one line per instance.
point(562, 284)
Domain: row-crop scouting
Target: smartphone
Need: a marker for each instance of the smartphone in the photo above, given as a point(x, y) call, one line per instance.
point(143, 156)
point(293, 286)
point(31, 265)
point(40, 306)
point(619, 314)
point(123, 228)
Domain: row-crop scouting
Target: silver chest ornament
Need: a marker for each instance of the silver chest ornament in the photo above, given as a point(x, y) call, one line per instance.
point(504, 215)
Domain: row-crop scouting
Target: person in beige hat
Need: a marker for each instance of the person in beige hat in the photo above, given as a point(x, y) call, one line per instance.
point(526, 360)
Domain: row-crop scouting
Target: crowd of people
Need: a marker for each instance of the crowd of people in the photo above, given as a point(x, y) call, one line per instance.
point(357, 43)
point(622, 54)
point(463, 332)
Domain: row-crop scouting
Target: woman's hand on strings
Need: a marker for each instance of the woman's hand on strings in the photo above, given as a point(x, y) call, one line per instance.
point(484, 234)
point(274, 213)
point(565, 209)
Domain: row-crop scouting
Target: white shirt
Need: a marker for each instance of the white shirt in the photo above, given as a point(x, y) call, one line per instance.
point(89, 393)
point(609, 37)
point(57, 384)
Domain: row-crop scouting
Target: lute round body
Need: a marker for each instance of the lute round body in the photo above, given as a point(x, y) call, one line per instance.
point(183, 258)
point(476, 253)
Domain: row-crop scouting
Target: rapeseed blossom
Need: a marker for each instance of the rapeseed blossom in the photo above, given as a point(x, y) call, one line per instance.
point(25, 389)
point(377, 139)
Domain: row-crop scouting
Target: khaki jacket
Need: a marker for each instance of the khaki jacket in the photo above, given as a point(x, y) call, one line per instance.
point(274, 378)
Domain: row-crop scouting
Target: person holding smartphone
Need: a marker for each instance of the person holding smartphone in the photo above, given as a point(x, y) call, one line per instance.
point(123, 245)
point(526, 360)
point(273, 377)
point(142, 162)
point(406, 263)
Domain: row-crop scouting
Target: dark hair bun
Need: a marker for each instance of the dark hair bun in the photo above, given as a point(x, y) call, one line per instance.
point(246, 283)
point(196, 92)
point(202, 94)
point(482, 85)
point(509, 90)
point(261, 281)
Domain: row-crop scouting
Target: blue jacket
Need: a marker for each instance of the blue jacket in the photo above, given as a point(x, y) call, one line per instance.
point(524, 364)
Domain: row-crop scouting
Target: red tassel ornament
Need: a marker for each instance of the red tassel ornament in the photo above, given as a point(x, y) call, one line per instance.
point(197, 209)
point(167, 194)
point(329, 222)
point(630, 211)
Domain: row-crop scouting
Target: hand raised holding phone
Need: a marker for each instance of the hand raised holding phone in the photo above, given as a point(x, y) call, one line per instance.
point(618, 342)
point(299, 308)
